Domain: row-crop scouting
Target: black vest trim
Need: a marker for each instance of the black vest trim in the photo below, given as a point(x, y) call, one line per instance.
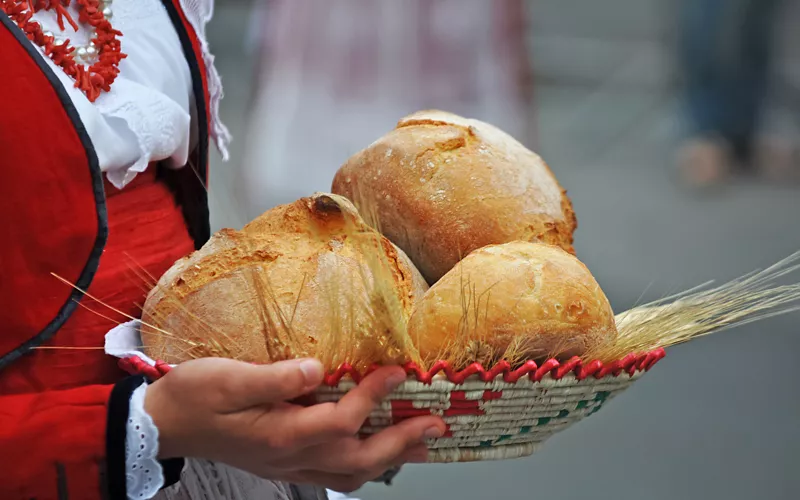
point(193, 193)
point(90, 268)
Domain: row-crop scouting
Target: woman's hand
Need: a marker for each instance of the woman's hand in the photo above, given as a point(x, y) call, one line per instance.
point(237, 413)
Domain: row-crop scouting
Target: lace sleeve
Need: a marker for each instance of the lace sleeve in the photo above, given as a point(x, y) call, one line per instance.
point(144, 474)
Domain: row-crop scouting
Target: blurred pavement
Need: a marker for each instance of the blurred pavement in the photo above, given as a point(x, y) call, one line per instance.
point(717, 419)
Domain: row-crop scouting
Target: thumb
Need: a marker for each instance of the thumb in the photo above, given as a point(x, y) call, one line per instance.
point(256, 385)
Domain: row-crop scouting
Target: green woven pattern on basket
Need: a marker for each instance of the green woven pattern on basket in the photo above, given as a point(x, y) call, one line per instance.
point(602, 396)
point(491, 420)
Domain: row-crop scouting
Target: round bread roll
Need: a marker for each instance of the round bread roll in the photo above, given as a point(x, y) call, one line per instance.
point(278, 287)
point(518, 300)
point(442, 186)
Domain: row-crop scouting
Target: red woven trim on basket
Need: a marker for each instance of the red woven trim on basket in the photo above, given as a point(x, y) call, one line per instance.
point(557, 370)
point(630, 364)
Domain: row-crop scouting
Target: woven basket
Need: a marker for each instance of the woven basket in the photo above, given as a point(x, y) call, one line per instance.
point(491, 414)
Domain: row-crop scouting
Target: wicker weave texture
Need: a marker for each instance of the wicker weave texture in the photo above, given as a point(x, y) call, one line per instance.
point(490, 420)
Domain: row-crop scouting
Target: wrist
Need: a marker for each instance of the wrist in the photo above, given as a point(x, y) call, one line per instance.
point(155, 406)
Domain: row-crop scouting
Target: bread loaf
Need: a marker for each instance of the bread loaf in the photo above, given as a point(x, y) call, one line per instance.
point(515, 301)
point(279, 287)
point(442, 186)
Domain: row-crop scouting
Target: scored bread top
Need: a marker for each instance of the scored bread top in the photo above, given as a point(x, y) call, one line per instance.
point(442, 186)
point(518, 300)
point(302, 259)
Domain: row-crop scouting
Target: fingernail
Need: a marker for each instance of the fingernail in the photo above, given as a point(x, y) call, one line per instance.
point(432, 433)
point(395, 380)
point(312, 370)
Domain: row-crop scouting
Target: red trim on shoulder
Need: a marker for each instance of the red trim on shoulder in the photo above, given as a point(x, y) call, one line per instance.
point(630, 364)
point(201, 64)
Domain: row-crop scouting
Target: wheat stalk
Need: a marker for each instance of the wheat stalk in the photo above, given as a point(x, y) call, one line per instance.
point(368, 323)
point(698, 312)
point(383, 338)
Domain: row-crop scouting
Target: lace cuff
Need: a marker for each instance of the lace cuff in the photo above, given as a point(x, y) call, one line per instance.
point(144, 474)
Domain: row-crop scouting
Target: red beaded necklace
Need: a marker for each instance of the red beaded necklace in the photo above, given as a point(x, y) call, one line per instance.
point(104, 47)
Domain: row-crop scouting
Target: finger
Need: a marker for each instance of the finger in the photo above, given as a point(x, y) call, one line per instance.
point(349, 482)
point(323, 422)
point(257, 385)
point(417, 454)
point(359, 402)
point(388, 448)
point(391, 445)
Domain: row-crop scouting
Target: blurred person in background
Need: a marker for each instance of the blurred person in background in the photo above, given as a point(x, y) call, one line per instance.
point(335, 76)
point(726, 55)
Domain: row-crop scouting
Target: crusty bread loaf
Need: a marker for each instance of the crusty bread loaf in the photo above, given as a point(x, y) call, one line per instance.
point(302, 264)
point(517, 300)
point(442, 186)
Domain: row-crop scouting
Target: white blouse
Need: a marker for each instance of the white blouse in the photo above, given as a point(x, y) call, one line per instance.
point(148, 114)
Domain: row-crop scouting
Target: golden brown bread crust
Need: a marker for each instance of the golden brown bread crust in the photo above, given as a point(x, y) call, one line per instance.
point(442, 186)
point(208, 301)
point(536, 297)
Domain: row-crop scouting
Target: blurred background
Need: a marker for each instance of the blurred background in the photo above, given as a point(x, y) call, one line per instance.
point(674, 127)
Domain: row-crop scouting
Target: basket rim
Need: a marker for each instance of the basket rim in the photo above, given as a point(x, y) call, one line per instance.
point(557, 370)
point(630, 364)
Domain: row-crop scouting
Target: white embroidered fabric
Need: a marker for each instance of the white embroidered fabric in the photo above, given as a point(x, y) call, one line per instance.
point(205, 480)
point(148, 112)
point(144, 474)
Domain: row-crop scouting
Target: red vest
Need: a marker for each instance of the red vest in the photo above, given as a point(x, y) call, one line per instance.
point(59, 217)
